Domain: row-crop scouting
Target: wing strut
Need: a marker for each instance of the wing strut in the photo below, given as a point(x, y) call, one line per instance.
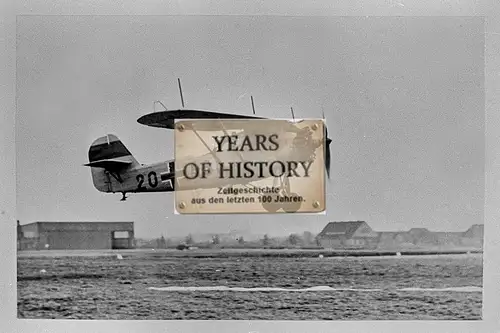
point(115, 175)
point(180, 91)
point(110, 186)
point(205, 144)
point(227, 134)
point(253, 106)
point(159, 102)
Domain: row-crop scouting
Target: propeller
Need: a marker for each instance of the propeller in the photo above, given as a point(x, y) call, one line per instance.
point(327, 148)
point(327, 153)
point(327, 143)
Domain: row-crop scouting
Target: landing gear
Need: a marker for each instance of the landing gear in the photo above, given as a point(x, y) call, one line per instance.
point(272, 206)
point(275, 204)
point(124, 196)
point(293, 206)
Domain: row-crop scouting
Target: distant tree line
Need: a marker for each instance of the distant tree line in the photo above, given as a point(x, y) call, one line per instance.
point(294, 240)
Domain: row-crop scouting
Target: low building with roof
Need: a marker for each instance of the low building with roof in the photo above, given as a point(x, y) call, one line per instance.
point(475, 231)
point(348, 234)
point(474, 236)
point(76, 235)
point(358, 234)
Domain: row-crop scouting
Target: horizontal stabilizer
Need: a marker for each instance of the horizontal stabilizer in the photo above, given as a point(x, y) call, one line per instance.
point(110, 164)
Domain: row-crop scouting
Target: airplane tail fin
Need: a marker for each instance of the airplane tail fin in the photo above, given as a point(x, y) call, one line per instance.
point(109, 148)
point(109, 156)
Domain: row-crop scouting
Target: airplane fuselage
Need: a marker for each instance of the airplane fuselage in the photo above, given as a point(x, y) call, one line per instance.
point(160, 177)
point(157, 177)
point(232, 160)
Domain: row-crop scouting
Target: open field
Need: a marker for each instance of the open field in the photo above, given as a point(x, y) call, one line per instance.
point(225, 253)
point(239, 284)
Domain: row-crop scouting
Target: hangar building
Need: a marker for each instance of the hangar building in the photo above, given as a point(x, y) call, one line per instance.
point(76, 235)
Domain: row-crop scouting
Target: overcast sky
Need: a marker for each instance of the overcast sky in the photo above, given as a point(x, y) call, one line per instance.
point(403, 97)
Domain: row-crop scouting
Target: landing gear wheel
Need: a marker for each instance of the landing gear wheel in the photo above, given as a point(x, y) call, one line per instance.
point(292, 207)
point(272, 207)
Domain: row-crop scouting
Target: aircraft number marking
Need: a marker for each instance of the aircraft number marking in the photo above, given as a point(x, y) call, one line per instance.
point(140, 180)
point(152, 181)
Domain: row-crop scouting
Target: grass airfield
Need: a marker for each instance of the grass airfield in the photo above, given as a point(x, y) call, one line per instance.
point(227, 252)
point(249, 284)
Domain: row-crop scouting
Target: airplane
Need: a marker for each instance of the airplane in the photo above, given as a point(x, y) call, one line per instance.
point(115, 170)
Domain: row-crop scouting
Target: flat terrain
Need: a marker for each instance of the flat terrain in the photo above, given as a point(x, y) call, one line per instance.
point(237, 253)
point(243, 284)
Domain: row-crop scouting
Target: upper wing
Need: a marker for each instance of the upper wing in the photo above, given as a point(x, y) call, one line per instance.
point(166, 119)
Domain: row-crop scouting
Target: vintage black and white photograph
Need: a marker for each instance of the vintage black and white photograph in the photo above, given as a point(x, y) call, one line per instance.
point(98, 235)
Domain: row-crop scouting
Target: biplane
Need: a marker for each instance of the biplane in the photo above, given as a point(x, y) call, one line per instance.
point(115, 170)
